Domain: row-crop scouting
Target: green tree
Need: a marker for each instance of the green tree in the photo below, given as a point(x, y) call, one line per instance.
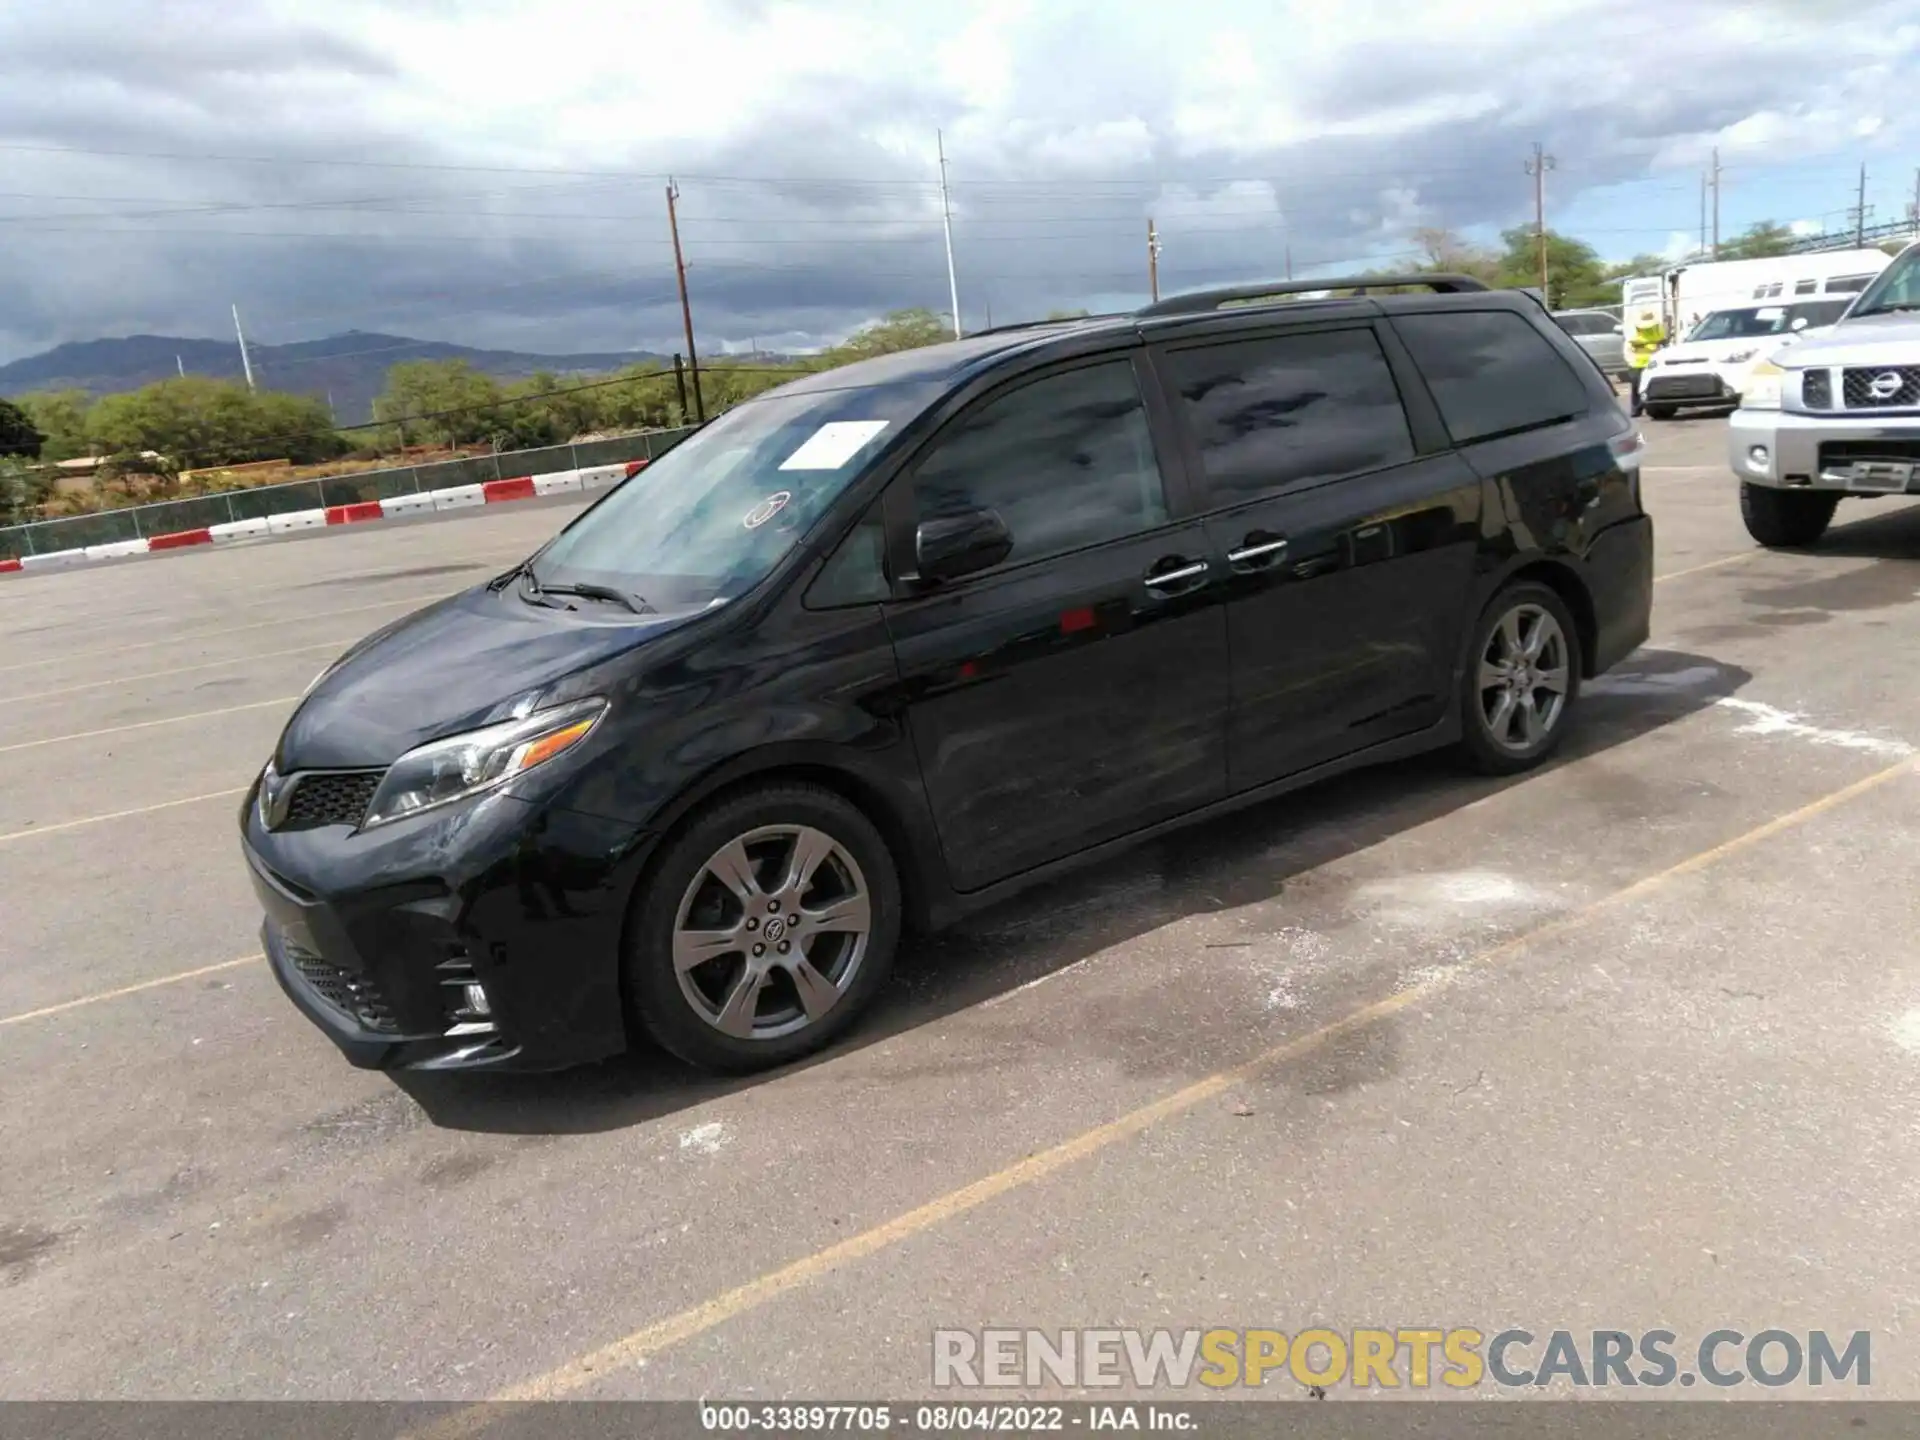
point(194, 422)
point(18, 434)
point(1443, 250)
point(440, 401)
point(897, 330)
point(24, 488)
point(1759, 241)
point(1066, 314)
point(1575, 276)
point(61, 416)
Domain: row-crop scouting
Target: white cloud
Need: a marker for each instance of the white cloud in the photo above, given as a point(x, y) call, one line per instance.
point(1241, 125)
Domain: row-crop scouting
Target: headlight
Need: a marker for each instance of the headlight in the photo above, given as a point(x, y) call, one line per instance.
point(461, 765)
point(1763, 387)
point(1740, 356)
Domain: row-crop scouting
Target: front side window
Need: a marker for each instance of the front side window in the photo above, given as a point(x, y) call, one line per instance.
point(710, 518)
point(1848, 284)
point(1491, 372)
point(1066, 461)
point(1290, 410)
point(1896, 288)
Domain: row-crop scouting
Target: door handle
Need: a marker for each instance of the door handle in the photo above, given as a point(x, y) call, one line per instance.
point(1164, 579)
point(1261, 550)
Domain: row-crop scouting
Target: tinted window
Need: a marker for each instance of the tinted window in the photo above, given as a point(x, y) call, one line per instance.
point(1805, 287)
point(1491, 372)
point(1848, 284)
point(857, 573)
point(1066, 461)
point(1290, 409)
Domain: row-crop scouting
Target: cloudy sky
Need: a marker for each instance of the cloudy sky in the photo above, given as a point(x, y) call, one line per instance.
point(493, 171)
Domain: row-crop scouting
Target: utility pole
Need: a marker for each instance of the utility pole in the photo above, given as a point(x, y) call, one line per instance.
point(1860, 211)
point(246, 362)
point(1715, 250)
point(946, 226)
point(1916, 202)
point(181, 366)
point(686, 308)
point(1703, 212)
point(1537, 167)
point(1153, 259)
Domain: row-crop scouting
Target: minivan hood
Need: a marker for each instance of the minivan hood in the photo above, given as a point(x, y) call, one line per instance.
point(1870, 340)
point(458, 664)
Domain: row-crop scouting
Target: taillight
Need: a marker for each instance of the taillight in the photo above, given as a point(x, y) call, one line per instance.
point(1628, 450)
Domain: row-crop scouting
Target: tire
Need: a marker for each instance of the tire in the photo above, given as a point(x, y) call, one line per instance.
point(1785, 519)
point(1500, 740)
point(753, 837)
point(1662, 412)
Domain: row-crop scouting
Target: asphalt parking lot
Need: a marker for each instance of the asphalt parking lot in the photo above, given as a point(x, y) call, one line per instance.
point(1631, 1042)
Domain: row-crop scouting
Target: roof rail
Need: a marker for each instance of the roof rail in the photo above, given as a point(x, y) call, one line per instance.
point(1199, 302)
point(1037, 324)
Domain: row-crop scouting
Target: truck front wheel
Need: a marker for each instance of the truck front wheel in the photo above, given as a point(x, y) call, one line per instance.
point(1785, 518)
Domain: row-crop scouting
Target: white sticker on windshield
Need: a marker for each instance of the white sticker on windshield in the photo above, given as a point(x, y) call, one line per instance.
point(833, 445)
point(767, 509)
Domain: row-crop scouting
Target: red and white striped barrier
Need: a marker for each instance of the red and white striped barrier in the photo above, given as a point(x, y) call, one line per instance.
point(458, 497)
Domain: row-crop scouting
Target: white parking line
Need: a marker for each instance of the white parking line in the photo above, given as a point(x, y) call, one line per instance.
point(54, 829)
point(145, 724)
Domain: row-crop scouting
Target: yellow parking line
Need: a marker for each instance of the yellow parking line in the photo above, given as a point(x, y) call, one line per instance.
point(578, 1373)
point(65, 1005)
point(1709, 565)
point(9, 836)
point(146, 724)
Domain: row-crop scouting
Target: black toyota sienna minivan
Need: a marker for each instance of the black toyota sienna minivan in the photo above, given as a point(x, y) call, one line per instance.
point(892, 640)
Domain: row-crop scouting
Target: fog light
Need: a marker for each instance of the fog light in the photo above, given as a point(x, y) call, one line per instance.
point(475, 996)
point(1758, 456)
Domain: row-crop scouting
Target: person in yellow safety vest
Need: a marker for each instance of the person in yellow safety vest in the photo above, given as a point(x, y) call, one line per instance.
point(1648, 335)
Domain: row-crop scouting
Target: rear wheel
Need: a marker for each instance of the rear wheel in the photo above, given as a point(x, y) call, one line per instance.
point(1785, 518)
point(768, 925)
point(1522, 679)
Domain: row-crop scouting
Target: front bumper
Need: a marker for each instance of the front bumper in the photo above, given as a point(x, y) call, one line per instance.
point(1699, 384)
point(375, 937)
point(1839, 454)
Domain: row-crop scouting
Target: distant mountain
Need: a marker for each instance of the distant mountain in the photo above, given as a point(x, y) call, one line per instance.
point(351, 368)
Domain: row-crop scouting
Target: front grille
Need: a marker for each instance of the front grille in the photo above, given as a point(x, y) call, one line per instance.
point(328, 797)
point(1816, 389)
point(1684, 387)
point(1851, 452)
point(354, 995)
point(1858, 387)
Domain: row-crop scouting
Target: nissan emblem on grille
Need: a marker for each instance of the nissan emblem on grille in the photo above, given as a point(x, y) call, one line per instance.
point(1886, 385)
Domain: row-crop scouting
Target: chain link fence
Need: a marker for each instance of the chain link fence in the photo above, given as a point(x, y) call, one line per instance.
point(167, 517)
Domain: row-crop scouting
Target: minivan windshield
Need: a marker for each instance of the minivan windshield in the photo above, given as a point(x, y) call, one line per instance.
point(1897, 288)
point(707, 520)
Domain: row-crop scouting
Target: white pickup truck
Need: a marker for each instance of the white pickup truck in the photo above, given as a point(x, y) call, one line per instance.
point(1834, 416)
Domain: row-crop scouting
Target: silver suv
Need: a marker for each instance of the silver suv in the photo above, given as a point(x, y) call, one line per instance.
point(1836, 415)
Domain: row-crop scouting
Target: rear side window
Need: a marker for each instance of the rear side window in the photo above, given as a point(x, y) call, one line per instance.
point(1491, 372)
point(1290, 410)
point(1848, 284)
point(1067, 461)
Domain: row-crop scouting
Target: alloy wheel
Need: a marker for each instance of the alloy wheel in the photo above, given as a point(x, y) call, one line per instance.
point(771, 932)
point(1524, 675)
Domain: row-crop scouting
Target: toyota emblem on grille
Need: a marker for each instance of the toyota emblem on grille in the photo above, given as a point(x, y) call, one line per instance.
point(1886, 385)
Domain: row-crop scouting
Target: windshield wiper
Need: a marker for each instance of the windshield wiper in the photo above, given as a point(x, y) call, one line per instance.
point(587, 590)
point(500, 582)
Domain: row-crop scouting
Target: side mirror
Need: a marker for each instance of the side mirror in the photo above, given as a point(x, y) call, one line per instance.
point(1800, 323)
point(950, 546)
point(1618, 330)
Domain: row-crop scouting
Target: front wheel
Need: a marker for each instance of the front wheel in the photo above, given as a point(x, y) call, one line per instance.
point(1785, 518)
point(768, 925)
point(1522, 679)
point(1662, 412)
